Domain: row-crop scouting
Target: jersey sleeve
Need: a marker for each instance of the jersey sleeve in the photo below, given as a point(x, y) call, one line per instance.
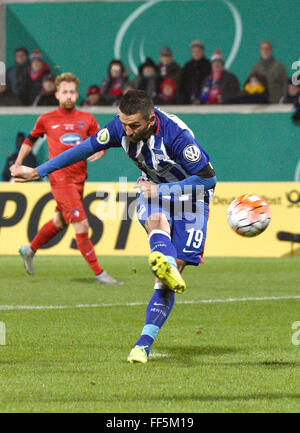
point(109, 136)
point(188, 153)
point(38, 131)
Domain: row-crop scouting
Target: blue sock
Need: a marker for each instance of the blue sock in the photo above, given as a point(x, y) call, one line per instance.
point(160, 240)
point(157, 312)
point(162, 301)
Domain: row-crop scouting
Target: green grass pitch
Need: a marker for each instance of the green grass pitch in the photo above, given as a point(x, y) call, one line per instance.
point(231, 356)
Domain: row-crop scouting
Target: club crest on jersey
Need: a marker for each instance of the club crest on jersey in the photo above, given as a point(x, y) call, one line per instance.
point(192, 153)
point(158, 155)
point(76, 212)
point(103, 136)
point(80, 124)
point(71, 139)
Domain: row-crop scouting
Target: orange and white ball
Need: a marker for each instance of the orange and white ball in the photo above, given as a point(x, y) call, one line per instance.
point(249, 215)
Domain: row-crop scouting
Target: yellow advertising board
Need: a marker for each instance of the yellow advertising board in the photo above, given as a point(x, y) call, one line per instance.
point(115, 230)
point(284, 201)
point(25, 208)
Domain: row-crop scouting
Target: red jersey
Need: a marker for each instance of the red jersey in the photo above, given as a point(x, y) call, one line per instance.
point(64, 129)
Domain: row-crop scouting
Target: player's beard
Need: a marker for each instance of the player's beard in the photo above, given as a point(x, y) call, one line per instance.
point(69, 105)
point(142, 135)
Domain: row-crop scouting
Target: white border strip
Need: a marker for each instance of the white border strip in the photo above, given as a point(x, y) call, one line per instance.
point(180, 109)
point(134, 304)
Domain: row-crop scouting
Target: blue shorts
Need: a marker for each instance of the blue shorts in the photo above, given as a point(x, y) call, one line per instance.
point(188, 225)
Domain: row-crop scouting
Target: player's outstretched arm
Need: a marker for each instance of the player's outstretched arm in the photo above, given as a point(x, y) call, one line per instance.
point(96, 156)
point(186, 186)
point(24, 151)
point(68, 157)
point(21, 173)
point(64, 159)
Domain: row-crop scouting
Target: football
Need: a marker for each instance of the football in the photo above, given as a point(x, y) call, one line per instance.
point(249, 215)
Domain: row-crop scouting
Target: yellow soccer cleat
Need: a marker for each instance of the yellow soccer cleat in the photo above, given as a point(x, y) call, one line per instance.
point(138, 354)
point(167, 273)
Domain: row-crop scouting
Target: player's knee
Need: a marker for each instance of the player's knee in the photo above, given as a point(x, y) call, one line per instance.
point(59, 221)
point(81, 226)
point(157, 221)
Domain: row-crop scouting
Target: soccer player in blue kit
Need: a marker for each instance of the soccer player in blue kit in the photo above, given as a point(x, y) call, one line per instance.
point(173, 202)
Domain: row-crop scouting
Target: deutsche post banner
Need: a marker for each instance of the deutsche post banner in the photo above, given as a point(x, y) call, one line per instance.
point(115, 230)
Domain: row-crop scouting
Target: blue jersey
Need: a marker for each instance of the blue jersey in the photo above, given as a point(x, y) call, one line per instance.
point(171, 154)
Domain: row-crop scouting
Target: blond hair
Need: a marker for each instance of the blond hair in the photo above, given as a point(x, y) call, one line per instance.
point(66, 76)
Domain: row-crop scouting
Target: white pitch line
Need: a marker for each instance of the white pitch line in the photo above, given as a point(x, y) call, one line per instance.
point(159, 355)
point(133, 304)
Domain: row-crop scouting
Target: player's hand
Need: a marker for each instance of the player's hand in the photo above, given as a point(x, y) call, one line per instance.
point(21, 173)
point(96, 156)
point(148, 189)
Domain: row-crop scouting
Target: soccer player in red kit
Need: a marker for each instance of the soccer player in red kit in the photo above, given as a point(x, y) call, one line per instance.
point(65, 127)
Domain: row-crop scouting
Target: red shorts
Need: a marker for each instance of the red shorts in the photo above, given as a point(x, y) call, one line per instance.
point(69, 201)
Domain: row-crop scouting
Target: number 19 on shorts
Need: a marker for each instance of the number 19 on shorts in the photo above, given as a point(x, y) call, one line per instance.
point(195, 238)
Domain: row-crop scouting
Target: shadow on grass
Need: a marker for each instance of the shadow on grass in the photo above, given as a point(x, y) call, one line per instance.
point(268, 364)
point(228, 397)
point(196, 351)
point(83, 280)
point(119, 398)
point(190, 354)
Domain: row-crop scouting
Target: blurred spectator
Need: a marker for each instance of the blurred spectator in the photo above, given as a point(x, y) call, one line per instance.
point(147, 78)
point(38, 68)
point(7, 98)
point(29, 161)
point(274, 71)
point(114, 83)
point(17, 76)
point(93, 96)
point(46, 97)
point(168, 93)
point(193, 74)
point(292, 95)
point(255, 91)
point(221, 86)
point(167, 68)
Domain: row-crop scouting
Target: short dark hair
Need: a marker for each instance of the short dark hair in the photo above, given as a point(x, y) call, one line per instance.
point(23, 49)
point(136, 101)
point(267, 42)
